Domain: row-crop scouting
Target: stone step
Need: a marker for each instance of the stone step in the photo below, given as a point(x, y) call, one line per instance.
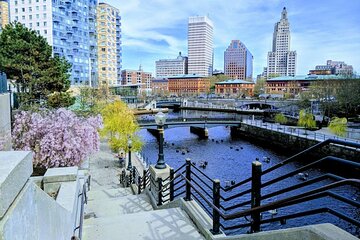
point(170, 223)
point(108, 193)
point(108, 207)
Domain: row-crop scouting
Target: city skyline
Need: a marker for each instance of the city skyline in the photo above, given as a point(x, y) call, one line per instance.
point(158, 30)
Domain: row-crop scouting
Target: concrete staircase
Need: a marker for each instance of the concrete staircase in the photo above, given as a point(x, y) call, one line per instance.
point(113, 212)
point(117, 214)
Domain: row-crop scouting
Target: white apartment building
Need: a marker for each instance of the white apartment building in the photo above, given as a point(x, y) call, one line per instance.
point(200, 46)
point(171, 67)
point(281, 61)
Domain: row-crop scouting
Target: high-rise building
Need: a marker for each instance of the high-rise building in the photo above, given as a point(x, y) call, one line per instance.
point(281, 61)
point(200, 46)
point(336, 67)
point(238, 61)
point(108, 44)
point(69, 27)
point(4, 13)
point(171, 67)
point(136, 77)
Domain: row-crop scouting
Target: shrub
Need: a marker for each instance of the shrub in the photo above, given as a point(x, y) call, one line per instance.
point(338, 126)
point(57, 138)
point(280, 118)
point(306, 120)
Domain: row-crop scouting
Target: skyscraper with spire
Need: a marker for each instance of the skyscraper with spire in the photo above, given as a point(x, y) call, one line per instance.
point(281, 61)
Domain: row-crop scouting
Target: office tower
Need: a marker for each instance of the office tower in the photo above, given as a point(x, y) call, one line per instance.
point(281, 61)
point(238, 61)
point(171, 67)
point(69, 27)
point(200, 46)
point(4, 13)
point(108, 43)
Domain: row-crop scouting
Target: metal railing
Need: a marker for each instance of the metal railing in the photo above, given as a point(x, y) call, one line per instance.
point(300, 132)
point(83, 200)
point(228, 209)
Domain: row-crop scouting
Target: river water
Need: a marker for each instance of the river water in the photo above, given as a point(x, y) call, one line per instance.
point(230, 160)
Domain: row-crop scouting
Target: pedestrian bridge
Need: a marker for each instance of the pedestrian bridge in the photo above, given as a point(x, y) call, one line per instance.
point(197, 122)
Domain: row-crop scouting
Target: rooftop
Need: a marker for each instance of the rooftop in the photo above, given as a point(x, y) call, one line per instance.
point(313, 77)
point(194, 75)
point(235, 81)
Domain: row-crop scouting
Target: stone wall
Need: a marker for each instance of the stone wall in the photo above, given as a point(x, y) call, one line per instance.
point(27, 212)
point(289, 144)
point(5, 122)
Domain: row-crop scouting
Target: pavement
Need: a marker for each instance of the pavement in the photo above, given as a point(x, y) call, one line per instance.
point(113, 212)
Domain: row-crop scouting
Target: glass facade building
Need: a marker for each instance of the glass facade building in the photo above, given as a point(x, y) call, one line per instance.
point(238, 61)
point(69, 27)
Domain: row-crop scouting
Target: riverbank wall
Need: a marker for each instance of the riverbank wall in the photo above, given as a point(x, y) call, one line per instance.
point(290, 144)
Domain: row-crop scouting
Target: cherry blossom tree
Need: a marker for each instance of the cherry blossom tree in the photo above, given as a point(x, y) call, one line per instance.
point(58, 138)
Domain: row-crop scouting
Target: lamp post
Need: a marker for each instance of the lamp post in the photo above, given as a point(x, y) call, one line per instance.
point(129, 167)
point(160, 119)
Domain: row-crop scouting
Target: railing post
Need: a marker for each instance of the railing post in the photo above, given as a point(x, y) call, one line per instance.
point(159, 180)
point(216, 201)
point(188, 177)
point(139, 185)
point(171, 187)
point(144, 179)
point(133, 175)
point(255, 195)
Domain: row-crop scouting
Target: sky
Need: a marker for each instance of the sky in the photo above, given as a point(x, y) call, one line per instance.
point(320, 30)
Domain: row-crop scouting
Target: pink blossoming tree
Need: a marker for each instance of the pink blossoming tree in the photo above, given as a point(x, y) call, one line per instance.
point(58, 138)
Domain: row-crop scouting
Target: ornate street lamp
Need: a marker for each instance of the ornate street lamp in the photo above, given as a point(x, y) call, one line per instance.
point(129, 162)
point(160, 119)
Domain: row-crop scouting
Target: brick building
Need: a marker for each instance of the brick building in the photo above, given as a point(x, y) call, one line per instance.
point(235, 87)
point(188, 84)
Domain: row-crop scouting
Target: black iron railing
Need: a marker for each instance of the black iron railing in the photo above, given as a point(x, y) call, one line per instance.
point(227, 207)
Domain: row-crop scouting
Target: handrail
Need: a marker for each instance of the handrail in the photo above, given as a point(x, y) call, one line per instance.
point(198, 183)
point(276, 204)
point(295, 157)
point(83, 201)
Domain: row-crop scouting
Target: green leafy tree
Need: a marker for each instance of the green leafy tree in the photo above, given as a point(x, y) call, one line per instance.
point(120, 125)
point(259, 87)
point(306, 120)
point(217, 78)
point(26, 58)
point(338, 126)
point(280, 118)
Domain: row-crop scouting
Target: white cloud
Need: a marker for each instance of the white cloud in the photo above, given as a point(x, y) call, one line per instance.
point(158, 28)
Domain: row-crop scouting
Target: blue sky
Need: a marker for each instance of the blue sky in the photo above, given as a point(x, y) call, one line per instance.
point(320, 30)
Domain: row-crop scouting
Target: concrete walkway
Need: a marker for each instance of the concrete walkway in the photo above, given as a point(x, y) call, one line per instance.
point(113, 212)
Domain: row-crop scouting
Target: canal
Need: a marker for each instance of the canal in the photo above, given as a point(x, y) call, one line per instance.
point(229, 160)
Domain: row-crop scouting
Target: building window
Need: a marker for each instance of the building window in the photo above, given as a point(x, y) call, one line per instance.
point(30, 17)
point(44, 7)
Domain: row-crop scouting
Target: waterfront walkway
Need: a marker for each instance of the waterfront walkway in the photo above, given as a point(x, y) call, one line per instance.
point(113, 212)
point(318, 135)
